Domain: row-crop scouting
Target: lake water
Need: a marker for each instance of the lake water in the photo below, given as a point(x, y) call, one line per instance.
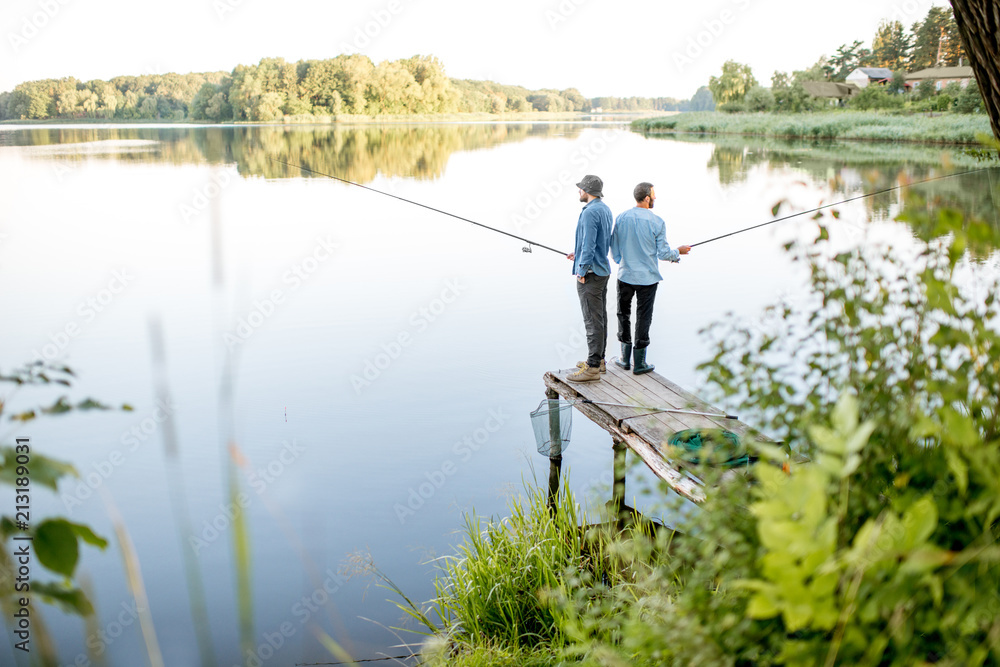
point(382, 358)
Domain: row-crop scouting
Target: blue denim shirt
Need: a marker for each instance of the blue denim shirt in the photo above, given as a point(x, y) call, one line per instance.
point(639, 239)
point(593, 238)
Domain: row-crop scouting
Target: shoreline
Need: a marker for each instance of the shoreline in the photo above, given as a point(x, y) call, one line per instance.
point(942, 130)
point(350, 119)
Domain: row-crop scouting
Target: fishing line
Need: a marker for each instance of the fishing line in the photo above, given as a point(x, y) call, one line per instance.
point(838, 203)
point(527, 248)
point(654, 409)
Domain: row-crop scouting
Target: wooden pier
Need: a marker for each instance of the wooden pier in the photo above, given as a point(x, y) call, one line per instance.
point(644, 432)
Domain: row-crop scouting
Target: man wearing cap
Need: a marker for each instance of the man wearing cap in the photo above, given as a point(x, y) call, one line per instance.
point(592, 270)
point(637, 242)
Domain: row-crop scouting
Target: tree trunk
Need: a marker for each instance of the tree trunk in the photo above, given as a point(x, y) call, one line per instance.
point(979, 24)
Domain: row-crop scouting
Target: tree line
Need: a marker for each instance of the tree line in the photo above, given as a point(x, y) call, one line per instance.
point(932, 42)
point(274, 89)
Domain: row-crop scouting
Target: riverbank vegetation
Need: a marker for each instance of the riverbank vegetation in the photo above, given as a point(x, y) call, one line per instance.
point(303, 91)
point(874, 544)
point(862, 125)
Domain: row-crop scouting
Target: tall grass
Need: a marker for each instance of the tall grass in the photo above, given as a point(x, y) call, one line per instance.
point(498, 597)
point(862, 125)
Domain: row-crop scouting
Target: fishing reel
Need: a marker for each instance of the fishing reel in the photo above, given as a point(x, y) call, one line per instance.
point(526, 248)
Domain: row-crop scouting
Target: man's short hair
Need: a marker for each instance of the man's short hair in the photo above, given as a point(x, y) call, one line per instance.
point(642, 191)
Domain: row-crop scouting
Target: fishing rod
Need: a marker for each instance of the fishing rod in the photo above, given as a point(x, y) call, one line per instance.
point(643, 407)
point(838, 203)
point(526, 248)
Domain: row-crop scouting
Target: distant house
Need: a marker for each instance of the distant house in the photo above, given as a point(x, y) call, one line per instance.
point(863, 76)
point(941, 76)
point(831, 90)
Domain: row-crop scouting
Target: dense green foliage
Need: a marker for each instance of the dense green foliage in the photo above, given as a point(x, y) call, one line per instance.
point(870, 537)
point(274, 89)
point(827, 125)
point(932, 42)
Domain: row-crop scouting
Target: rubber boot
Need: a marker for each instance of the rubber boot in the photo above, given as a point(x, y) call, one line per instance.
point(625, 361)
point(639, 365)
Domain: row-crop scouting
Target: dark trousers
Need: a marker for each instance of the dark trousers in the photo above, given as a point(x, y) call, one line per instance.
point(644, 297)
point(593, 295)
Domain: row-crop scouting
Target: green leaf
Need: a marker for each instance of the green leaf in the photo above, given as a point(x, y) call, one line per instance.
point(919, 521)
point(91, 404)
point(845, 414)
point(924, 559)
point(61, 406)
point(762, 606)
point(958, 468)
point(25, 416)
point(70, 600)
point(7, 528)
point(56, 546)
point(44, 471)
point(85, 533)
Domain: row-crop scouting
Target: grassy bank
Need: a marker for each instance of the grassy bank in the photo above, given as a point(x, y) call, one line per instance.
point(857, 125)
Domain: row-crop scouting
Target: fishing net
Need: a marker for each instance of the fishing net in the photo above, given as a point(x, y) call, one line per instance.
point(715, 446)
point(552, 422)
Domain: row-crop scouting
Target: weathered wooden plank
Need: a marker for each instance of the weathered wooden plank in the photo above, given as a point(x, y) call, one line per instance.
point(659, 396)
point(674, 478)
point(692, 402)
point(653, 428)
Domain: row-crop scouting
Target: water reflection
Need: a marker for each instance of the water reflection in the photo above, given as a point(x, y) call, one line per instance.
point(357, 153)
point(853, 168)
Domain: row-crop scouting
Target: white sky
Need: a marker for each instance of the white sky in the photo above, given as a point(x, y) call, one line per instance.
point(601, 47)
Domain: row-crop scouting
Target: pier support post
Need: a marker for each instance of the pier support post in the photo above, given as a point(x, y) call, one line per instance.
point(555, 462)
point(618, 489)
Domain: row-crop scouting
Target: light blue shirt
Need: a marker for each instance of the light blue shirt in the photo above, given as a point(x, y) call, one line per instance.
point(638, 240)
point(593, 235)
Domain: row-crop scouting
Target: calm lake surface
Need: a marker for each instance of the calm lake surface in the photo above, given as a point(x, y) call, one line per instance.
point(382, 358)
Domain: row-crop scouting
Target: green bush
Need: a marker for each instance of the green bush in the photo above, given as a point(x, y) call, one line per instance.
point(924, 90)
point(942, 102)
point(969, 100)
point(733, 107)
point(875, 97)
point(760, 99)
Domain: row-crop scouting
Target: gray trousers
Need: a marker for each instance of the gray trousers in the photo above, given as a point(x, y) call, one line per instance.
point(593, 295)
